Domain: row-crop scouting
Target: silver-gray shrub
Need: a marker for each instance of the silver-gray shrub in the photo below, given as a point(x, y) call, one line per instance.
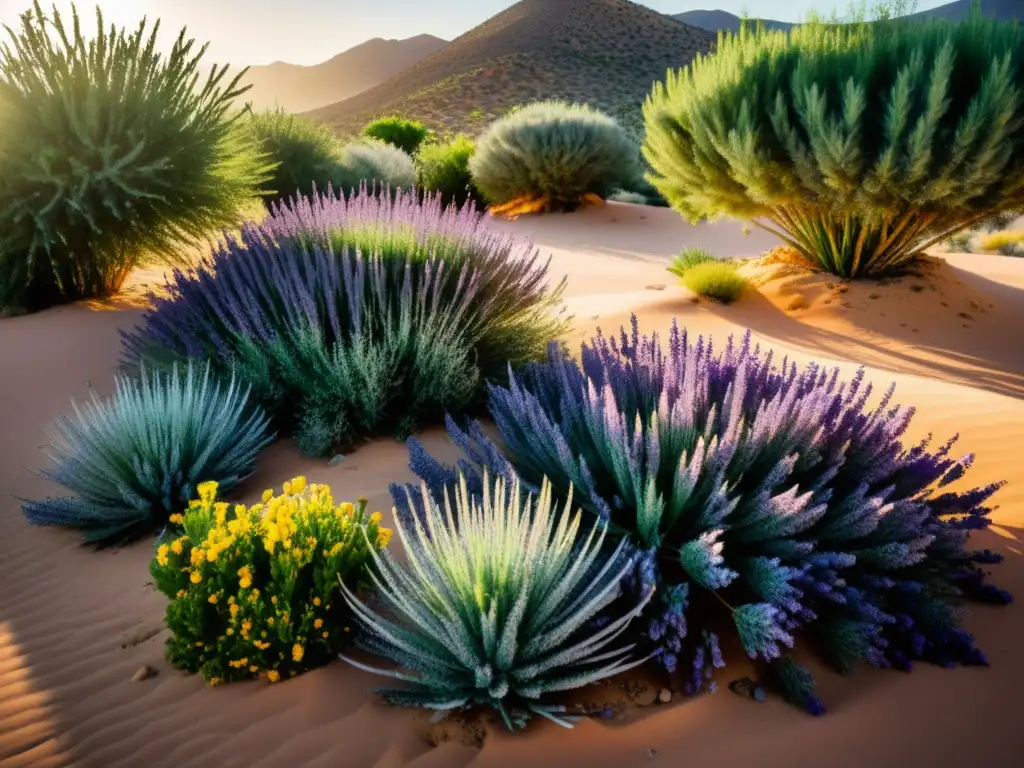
point(496, 604)
point(136, 458)
point(556, 152)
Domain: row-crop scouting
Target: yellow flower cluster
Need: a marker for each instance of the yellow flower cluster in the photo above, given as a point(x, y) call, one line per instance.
point(267, 579)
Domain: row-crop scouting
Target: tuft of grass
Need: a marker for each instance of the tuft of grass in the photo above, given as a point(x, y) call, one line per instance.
point(689, 258)
point(718, 281)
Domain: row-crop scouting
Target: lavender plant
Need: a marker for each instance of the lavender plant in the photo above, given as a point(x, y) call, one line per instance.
point(496, 604)
point(137, 458)
point(774, 498)
point(354, 316)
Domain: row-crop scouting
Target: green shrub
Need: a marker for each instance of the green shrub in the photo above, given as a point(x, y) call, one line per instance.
point(859, 145)
point(718, 281)
point(496, 606)
point(960, 242)
point(110, 156)
point(255, 591)
point(399, 132)
point(375, 163)
point(444, 168)
point(136, 458)
point(553, 154)
point(622, 196)
point(307, 153)
point(689, 258)
point(1006, 243)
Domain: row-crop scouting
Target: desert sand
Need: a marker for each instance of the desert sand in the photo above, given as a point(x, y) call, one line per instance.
point(75, 624)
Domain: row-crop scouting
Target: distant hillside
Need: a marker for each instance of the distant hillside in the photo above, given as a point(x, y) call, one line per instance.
point(1005, 10)
point(604, 52)
point(713, 21)
point(298, 88)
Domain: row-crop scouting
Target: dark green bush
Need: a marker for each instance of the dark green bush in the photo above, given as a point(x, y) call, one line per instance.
point(444, 167)
point(110, 153)
point(306, 153)
point(399, 132)
point(553, 154)
point(859, 145)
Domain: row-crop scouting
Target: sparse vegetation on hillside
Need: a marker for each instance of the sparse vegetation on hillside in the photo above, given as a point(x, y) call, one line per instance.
point(307, 153)
point(552, 156)
point(108, 157)
point(606, 53)
point(875, 141)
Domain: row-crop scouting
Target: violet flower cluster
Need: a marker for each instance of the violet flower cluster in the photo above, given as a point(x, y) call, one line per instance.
point(776, 498)
point(348, 316)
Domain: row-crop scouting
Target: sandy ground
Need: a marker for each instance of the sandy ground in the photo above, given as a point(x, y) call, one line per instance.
point(75, 625)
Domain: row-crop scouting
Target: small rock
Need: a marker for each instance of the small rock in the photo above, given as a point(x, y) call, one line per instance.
point(798, 302)
point(743, 687)
point(664, 695)
point(336, 460)
point(966, 316)
point(655, 287)
point(875, 296)
point(759, 694)
point(917, 288)
point(650, 753)
point(144, 673)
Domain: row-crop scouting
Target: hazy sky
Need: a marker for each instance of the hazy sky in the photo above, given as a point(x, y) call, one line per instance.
point(309, 31)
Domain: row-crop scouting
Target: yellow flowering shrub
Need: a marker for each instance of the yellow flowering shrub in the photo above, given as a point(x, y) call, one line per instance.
point(255, 590)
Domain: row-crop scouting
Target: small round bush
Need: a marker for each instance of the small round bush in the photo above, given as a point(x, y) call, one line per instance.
point(718, 281)
point(444, 169)
point(553, 155)
point(375, 164)
point(1005, 243)
point(256, 591)
point(689, 258)
point(111, 154)
point(307, 153)
point(860, 145)
point(407, 135)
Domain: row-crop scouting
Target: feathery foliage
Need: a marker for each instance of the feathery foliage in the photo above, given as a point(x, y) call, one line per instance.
point(308, 154)
point(254, 591)
point(110, 153)
point(443, 169)
point(496, 605)
point(717, 280)
point(772, 496)
point(407, 135)
point(138, 457)
point(553, 153)
point(350, 317)
point(859, 145)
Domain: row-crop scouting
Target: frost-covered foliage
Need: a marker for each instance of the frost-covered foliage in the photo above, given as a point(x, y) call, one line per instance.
point(860, 145)
point(351, 317)
point(554, 154)
point(138, 457)
point(776, 496)
point(497, 602)
point(112, 153)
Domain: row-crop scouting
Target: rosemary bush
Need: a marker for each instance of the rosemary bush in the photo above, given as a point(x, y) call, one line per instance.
point(110, 154)
point(860, 145)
